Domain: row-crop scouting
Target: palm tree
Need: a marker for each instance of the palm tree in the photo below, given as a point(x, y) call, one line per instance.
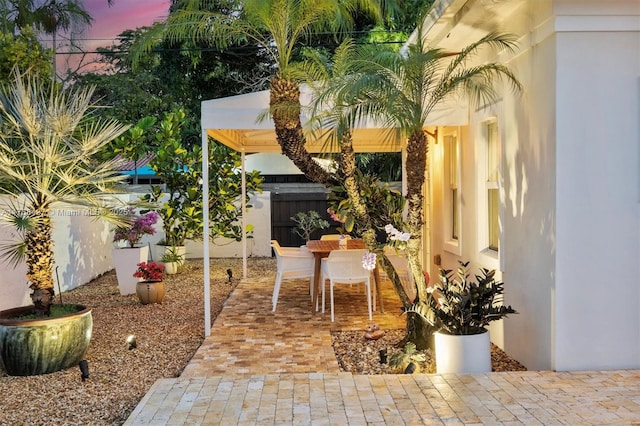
point(364, 202)
point(277, 27)
point(56, 15)
point(400, 90)
point(49, 17)
point(47, 149)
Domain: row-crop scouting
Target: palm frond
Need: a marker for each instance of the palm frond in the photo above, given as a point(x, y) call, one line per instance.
point(47, 148)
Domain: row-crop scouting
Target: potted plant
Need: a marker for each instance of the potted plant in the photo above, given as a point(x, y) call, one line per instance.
point(150, 288)
point(173, 260)
point(48, 145)
point(126, 258)
point(463, 309)
point(307, 223)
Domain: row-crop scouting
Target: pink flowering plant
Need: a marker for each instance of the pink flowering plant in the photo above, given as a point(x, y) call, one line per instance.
point(149, 271)
point(140, 226)
point(341, 219)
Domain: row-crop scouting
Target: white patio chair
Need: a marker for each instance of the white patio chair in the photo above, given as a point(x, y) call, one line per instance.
point(293, 263)
point(345, 267)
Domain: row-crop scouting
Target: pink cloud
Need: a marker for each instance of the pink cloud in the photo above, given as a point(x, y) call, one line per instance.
point(108, 22)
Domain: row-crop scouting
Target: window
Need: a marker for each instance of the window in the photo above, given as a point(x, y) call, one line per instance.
point(451, 193)
point(492, 193)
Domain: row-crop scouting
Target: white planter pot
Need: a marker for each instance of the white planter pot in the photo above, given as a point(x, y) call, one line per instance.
point(125, 261)
point(463, 353)
point(171, 268)
point(160, 250)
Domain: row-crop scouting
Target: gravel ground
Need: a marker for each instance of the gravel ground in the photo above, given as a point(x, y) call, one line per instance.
point(358, 355)
point(169, 335)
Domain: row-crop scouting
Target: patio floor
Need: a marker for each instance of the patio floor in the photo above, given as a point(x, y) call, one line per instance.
point(264, 368)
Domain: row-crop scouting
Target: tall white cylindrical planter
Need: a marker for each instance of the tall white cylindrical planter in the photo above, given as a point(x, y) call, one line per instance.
point(463, 353)
point(125, 261)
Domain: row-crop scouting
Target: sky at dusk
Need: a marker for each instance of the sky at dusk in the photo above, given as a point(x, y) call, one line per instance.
point(108, 22)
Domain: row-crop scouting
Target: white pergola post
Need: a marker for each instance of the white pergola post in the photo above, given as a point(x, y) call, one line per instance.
point(205, 239)
point(244, 218)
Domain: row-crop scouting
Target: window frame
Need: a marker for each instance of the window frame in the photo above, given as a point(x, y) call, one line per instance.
point(452, 198)
point(489, 255)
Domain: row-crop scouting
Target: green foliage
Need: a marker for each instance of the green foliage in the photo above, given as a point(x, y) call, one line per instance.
point(225, 189)
point(307, 223)
point(171, 255)
point(48, 16)
point(25, 52)
point(179, 203)
point(180, 207)
point(462, 306)
point(387, 166)
point(384, 205)
point(57, 311)
point(134, 144)
point(400, 359)
point(168, 77)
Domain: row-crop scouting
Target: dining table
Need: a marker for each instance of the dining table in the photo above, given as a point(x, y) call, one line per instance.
point(321, 249)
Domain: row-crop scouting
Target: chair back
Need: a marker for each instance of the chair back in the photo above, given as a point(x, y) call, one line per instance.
point(346, 265)
point(293, 259)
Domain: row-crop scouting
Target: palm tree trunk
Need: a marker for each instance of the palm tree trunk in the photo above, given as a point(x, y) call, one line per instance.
point(418, 330)
point(285, 109)
point(416, 169)
point(361, 213)
point(39, 260)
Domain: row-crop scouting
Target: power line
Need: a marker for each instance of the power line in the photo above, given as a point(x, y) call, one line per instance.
point(201, 49)
point(324, 33)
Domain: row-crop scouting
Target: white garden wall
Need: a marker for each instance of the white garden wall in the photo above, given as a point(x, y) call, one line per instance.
point(83, 248)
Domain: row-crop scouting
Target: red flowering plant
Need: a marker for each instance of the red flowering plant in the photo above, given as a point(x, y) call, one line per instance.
point(149, 271)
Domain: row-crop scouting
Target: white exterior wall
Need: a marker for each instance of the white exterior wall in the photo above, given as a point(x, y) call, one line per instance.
point(527, 134)
point(597, 291)
point(570, 187)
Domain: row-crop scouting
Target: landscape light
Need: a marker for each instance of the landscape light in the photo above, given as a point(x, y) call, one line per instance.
point(131, 340)
point(84, 369)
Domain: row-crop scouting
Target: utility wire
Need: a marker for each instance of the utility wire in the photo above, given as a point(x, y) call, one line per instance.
point(200, 49)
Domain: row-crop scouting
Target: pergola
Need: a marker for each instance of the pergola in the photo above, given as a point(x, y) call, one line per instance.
point(235, 122)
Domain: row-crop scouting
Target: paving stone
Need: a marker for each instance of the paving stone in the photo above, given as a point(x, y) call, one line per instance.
point(265, 368)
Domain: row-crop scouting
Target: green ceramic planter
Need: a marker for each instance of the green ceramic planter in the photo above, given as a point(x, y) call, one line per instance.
point(32, 347)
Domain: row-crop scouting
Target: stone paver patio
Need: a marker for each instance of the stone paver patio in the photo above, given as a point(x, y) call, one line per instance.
point(264, 368)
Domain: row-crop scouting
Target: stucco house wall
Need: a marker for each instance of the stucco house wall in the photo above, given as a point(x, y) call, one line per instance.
point(569, 182)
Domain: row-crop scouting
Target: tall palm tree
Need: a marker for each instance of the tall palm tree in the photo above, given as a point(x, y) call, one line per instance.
point(56, 15)
point(277, 27)
point(332, 120)
point(400, 90)
point(47, 149)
